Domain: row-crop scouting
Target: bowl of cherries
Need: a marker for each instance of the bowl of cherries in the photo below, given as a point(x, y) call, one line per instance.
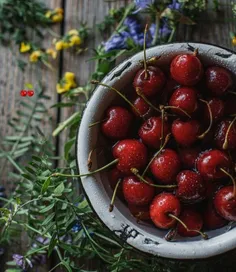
point(156, 150)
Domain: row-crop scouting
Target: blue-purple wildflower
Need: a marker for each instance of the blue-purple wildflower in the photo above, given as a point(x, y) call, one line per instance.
point(142, 4)
point(19, 259)
point(175, 5)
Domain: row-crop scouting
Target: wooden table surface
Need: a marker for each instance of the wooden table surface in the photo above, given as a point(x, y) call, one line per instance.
point(213, 28)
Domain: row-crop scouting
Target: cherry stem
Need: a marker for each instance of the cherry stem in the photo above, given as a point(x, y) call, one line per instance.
point(156, 154)
point(144, 52)
point(225, 145)
point(87, 174)
point(231, 92)
point(211, 120)
point(195, 53)
point(231, 177)
point(137, 216)
point(162, 124)
point(97, 123)
point(177, 108)
point(152, 61)
point(118, 92)
point(135, 172)
point(89, 161)
point(114, 195)
point(203, 234)
point(139, 93)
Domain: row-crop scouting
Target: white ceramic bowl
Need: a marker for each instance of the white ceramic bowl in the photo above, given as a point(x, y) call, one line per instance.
point(143, 237)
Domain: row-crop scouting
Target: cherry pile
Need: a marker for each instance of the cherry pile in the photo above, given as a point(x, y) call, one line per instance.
point(173, 141)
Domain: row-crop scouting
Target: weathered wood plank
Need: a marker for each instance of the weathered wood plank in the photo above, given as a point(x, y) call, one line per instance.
point(12, 81)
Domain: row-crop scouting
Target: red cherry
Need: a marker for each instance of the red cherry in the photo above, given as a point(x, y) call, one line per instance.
point(209, 164)
point(184, 98)
point(118, 124)
point(30, 92)
point(140, 212)
point(113, 177)
point(225, 203)
point(151, 131)
point(142, 107)
point(162, 205)
point(23, 92)
point(211, 218)
point(217, 108)
point(218, 80)
point(220, 135)
point(192, 220)
point(186, 133)
point(166, 166)
point(186, 69)
point(153, 84)
point(137, 192)
point(130, 154)
point(191, 187)
point(188, 156)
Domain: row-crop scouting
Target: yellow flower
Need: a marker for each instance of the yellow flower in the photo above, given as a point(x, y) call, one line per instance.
point(66, 45)
point(59, 10)
point(75, 40)
point(24, 47)
point(57, 18)
point(34, 57)
point(48, 14)
point(69, 76)
point(59, 45)
point(73, 32)
point(52, 53)
point(234, 41)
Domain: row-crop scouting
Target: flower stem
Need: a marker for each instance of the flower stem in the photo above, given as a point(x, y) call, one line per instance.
point(155, 39)
point(172, 35)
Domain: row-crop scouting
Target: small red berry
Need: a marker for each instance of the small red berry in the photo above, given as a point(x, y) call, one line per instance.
point(162, 205)
point(137, 192)
point(142, 107)
point(217, 108)
point(30, 92)
point(188, 156)
point(23, 92)
point(186, 69)
point(130, 154)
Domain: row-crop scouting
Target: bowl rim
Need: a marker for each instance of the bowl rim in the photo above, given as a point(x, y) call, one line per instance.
point(167, 256)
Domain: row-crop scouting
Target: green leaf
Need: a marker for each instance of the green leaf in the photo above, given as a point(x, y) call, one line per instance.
point(52, 244)
point(67, 266)
point(48, 208)
point(68, 147)
point(59, 189)
point(29, 86)
point(63, 105)
point(48, 219)
point(46, 184)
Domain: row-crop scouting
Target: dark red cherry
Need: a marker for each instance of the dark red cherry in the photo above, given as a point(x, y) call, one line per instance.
point(217, 108)
point(186, 132)
point(193, 220)
point(210, 163)
point(163, 205)
point(191, 187)
point(23, 93)
point(137, 192)
point(225, 203)
point(212, 220)
point(154, 82)
point(186, 69)
point(220, 135)
point(130, 154)
point(166, 166)
point(113, 176)
point(117, 124)
point(151, 131)
point(139, 212)
point(230, 104)
point(218, 80)
point(188, 156)
point(142, 107)
point(184, 98)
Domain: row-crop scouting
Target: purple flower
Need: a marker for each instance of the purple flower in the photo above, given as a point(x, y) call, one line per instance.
point(142, 4)
point(19, 260)
point(77, 227)
point(175, 5)
point(117, 41)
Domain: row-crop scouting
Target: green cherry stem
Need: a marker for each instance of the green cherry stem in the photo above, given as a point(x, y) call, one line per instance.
point(211, 120)
point(97, 123)
point(114, 195)
point(203, 234)
point(225, 145)
point(156, 154)
point(135, 172)
point(87, 174)
point(139, 93)
point(144, 52)
point(177, 108)
point(118, 92)
point(232, 178)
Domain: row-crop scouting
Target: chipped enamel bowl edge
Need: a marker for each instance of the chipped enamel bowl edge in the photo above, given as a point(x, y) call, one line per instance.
point(144, 238)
